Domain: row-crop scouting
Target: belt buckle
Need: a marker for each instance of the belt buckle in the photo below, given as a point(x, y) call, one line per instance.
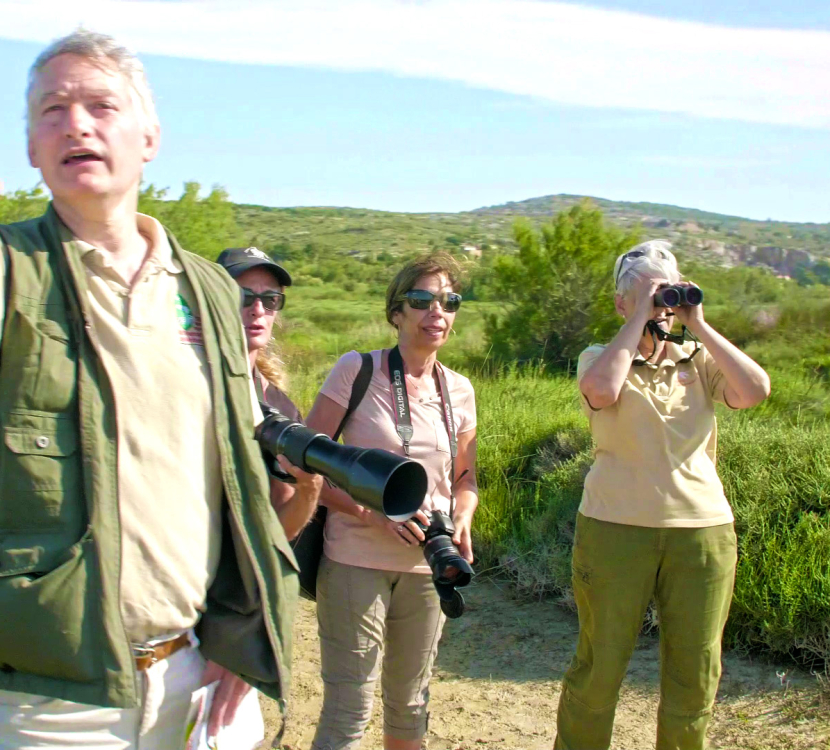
point(142, 651)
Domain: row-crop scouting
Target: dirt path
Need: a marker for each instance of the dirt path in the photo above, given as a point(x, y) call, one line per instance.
point(497, 684)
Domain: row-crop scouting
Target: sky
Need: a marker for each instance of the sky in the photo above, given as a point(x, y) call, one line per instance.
point(449, 105)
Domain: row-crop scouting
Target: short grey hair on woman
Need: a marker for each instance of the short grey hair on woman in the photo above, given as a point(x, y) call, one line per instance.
point(652, 259)
point(99, 48)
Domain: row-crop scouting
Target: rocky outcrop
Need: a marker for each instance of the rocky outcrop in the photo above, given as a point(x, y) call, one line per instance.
point(784, 261)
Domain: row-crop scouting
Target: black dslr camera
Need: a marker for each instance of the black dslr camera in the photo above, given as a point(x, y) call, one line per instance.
point(675, 296)
point(450, 570)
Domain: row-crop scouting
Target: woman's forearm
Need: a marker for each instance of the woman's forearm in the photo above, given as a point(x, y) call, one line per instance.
point(747, 383)
point(466, 501)
point(603, 380)
point(335, 499)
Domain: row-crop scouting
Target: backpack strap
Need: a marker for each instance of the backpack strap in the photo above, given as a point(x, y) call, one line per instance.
point(359, 388)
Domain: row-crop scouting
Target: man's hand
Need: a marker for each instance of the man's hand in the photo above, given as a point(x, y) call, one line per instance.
point(229, 694)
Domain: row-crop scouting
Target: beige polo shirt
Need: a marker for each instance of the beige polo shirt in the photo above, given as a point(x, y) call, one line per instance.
point(654, 461)
point(169, 480)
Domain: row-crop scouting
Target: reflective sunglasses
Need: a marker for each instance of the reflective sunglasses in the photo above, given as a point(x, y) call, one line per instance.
point(271, 301)
point(632, 254)
point(421, 299)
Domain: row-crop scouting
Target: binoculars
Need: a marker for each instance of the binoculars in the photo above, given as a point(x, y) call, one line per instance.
point(675, 296)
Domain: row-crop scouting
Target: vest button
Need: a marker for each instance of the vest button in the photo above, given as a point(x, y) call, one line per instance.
point(41, 441)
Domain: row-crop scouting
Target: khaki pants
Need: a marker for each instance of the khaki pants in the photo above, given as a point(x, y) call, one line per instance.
point(366, 615)
point(617, 569)
point(32, 721)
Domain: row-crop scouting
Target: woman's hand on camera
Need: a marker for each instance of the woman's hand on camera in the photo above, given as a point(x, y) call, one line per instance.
point(308, 485)
point(406, 533)
point(690, 316)
point(463, 537)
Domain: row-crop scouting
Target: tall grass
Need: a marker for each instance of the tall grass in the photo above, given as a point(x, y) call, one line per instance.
point(534, 449)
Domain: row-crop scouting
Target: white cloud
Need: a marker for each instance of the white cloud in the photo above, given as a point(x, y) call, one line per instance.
point(557, 52)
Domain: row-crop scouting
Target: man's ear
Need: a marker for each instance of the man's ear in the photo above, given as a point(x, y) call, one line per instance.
point(30, 148)
point(152, 141)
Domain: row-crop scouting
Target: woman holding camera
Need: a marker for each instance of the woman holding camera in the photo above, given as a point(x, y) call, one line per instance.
point(654, 521)
point(262, 283)
point(376, 601)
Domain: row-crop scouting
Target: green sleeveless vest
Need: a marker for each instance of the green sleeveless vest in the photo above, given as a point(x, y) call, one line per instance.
point(61, 633)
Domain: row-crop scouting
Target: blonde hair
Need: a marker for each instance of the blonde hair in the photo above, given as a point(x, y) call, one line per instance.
point(99, 48)
point(271, 365)
point(651, 259)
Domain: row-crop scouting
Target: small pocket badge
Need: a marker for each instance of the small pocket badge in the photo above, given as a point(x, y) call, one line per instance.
point(686, 377)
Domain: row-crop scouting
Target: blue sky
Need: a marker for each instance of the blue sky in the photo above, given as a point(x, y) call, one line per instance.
point(454, 104)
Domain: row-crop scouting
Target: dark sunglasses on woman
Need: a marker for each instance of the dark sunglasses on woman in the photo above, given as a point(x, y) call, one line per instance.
point(271, 301)
point(421, 299)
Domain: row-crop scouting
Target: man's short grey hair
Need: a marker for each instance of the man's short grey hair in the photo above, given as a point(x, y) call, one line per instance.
point(651, 259)
point(99, 48)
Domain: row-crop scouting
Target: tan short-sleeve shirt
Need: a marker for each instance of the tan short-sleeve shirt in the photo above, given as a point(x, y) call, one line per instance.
point(654, 461)
point(169, 481)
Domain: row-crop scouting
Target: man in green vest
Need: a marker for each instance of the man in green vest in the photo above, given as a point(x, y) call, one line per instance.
point(140, 556)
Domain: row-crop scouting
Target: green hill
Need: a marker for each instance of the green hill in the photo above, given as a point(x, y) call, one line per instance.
point(710, 237)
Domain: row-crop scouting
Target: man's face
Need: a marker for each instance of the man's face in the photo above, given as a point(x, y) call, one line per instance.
point(87, 136)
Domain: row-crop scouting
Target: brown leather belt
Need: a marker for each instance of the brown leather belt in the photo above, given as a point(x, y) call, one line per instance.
point(146, 656)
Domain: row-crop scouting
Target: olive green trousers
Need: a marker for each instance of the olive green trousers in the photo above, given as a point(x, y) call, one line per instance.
point(617, 571)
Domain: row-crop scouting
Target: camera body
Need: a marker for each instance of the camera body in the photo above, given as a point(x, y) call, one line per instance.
point(450, 570)
point(671, 295)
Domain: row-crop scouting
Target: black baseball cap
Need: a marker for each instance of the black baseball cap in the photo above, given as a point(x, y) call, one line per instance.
point(237, 260)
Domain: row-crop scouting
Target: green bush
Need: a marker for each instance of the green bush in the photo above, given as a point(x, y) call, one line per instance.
point(557, 291)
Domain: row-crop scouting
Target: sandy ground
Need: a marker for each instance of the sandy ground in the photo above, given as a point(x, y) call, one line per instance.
point(497, 682)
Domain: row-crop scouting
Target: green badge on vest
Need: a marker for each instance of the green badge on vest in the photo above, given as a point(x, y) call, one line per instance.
point(184, 313)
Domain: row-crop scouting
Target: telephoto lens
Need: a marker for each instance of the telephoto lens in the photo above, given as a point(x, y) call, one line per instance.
point(450, 571)
point(378, 479)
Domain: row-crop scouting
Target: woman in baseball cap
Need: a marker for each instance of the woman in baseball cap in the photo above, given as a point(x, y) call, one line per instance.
point(262, 281)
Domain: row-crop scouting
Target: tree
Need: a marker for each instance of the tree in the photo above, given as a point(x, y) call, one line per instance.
point(22, 204)
point(558, 290)
point(204, 226)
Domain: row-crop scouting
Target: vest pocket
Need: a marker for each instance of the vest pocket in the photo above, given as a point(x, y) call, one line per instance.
point(38, 469)
point(52, 630)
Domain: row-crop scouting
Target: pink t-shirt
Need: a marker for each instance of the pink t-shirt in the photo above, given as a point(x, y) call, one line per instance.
point(372, 425)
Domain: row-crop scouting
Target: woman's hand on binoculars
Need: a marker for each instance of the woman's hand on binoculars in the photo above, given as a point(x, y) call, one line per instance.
point(690, 316)
point(308, 485)
point(643, 291)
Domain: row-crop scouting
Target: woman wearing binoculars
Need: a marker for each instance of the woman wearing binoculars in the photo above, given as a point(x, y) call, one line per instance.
point(376, 599)
point(654, 522)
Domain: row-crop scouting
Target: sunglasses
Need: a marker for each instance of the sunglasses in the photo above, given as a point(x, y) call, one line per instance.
point(421, 299)
point(632, 254)
point(271, 301)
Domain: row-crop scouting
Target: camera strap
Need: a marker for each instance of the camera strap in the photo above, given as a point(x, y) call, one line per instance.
point(403, 419)
point(658, 333)
point(260, 394)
